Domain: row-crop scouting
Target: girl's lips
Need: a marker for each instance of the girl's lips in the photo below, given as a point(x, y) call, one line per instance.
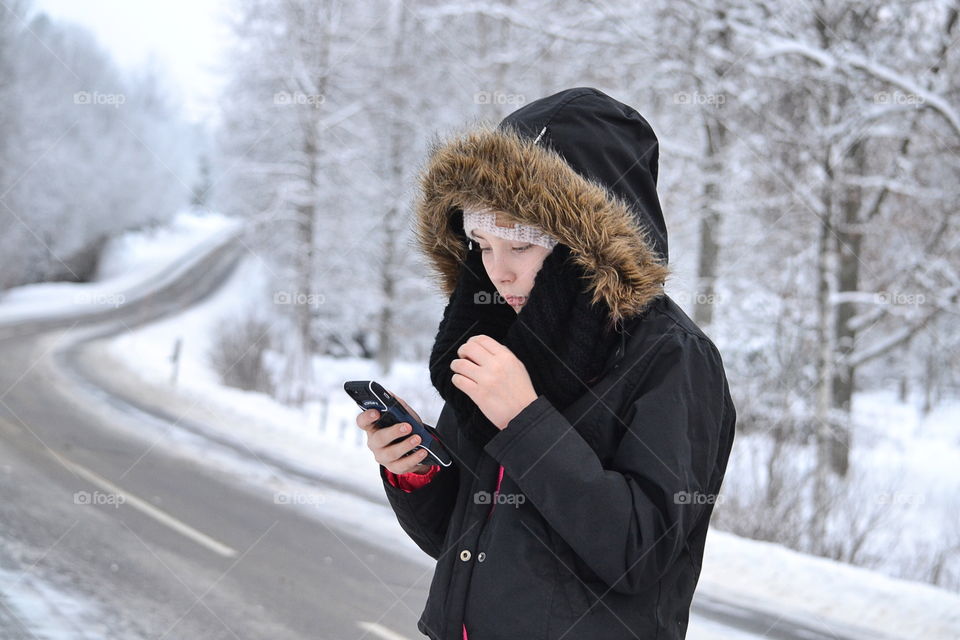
point(515, 300)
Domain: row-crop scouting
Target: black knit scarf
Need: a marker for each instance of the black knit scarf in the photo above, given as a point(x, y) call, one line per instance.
point(561, 338)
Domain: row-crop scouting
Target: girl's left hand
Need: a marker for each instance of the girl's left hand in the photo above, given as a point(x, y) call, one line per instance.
point(494, 378)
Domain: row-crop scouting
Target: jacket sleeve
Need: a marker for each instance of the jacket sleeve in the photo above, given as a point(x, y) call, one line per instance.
point(630, 522)
point(424, 514)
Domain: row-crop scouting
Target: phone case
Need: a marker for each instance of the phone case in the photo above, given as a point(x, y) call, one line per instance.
point(369, 394)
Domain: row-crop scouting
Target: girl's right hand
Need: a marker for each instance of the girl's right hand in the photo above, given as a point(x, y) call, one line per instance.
point(390, 455)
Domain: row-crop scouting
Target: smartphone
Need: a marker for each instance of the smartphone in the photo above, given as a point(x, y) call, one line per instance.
point(368, 394)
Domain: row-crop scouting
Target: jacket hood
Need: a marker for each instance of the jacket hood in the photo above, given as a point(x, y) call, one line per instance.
point(579, 165)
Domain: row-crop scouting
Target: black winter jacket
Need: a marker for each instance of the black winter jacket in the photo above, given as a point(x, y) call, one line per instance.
point(600, 519)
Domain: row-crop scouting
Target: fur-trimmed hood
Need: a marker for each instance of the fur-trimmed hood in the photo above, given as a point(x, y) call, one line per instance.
point(577, 164)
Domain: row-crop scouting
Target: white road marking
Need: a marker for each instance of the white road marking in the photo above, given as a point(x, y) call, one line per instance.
point(381, 631)
point(142, 505)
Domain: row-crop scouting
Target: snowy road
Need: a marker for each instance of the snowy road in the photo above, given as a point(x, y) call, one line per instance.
point(106, 532)
point(69, 537)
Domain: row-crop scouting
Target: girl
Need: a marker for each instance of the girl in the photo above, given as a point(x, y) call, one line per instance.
point(589, 418)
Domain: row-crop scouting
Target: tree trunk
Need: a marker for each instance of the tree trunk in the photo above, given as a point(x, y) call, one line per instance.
point(394, 223)
point(849, 239)
point(823, 415)
point(709, 227)
point(709, 254)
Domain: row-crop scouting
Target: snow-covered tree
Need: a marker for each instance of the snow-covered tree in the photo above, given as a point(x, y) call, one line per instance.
point(88, 153)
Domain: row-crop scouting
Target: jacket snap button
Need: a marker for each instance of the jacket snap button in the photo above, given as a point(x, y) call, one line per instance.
point(481, 556)
point(465, 555)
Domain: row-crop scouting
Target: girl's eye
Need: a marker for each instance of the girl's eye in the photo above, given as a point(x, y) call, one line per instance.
point(517, 249)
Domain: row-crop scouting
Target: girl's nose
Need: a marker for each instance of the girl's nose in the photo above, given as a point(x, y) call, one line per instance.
point(500, 270)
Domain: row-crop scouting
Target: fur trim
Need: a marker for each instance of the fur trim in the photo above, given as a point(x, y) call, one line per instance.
point(502, 170)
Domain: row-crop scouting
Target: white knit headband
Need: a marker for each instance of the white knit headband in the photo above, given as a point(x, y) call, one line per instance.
point(486, 221)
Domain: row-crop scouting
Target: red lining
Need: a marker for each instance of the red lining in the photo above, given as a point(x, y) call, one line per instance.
point(411, 481)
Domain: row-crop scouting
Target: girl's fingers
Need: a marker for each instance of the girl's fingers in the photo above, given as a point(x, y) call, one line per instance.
point(394, 452)
point(383, 437)
point(366, 419)
point(413, 459)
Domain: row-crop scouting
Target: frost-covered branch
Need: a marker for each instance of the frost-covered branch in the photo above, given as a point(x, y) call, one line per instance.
point(768, 45)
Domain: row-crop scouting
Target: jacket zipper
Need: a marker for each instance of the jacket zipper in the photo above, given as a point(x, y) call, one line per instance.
point(493, 505)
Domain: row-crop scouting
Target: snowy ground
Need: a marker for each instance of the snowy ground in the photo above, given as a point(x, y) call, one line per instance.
point(324, 440)
point(35, 608)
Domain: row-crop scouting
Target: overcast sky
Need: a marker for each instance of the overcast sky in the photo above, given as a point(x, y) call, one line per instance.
point(185, 37)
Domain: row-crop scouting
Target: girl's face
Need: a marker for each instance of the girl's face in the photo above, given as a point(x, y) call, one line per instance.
point(511, 265)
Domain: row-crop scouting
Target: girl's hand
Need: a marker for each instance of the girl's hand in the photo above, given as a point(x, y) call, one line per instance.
point(494, 378)
point(389, 455)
